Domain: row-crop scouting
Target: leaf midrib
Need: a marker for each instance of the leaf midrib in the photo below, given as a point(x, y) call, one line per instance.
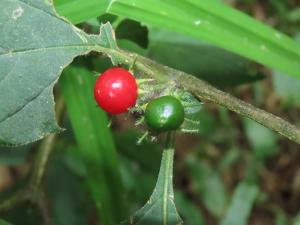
point(29, 50)
point(271, 44)
point(165, 189)
point(153, 204)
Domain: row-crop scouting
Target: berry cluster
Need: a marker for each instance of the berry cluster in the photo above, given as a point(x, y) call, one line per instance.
point(116, 91)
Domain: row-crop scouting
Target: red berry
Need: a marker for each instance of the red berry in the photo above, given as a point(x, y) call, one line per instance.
point(116, 90)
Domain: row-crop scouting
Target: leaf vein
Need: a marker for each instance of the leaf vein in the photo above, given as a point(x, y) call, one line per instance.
point(20, 51)
point(27, 103)
point(12, 69)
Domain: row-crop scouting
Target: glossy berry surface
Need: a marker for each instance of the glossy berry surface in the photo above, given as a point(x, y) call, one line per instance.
point(164, 114)
point(116, 90)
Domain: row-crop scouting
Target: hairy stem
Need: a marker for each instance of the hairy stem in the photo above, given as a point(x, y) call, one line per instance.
point(206, 92)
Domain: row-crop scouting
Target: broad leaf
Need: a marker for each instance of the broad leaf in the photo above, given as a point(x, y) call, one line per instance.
point(35, 46)
point(160, 209)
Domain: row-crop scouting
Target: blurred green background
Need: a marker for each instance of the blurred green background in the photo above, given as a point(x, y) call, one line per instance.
point(234, 172)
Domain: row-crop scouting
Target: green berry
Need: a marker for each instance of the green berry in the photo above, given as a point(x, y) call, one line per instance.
point(164, 114)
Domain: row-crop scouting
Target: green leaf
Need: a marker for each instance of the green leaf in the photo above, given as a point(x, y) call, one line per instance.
point(160, 209)
point(78, 11)
point(287, 87)
point(294, 15)
point(297, 220)
point(281, 218)
point(229, 159)
point(67, 193)
point(133, 31)
point(209, 185)
point(220, 25)
point(2, 222)
point(13, 158)
point(215, 65)
point(241, 205)
point(189, 211)
point(35, 46)
point(131, 46)
point(192, 107)
point(147, 154)
point(133, 178)
point(206, 123)
point(96, 144)
point(190, 103)
point(139, 165)
point(262, 140)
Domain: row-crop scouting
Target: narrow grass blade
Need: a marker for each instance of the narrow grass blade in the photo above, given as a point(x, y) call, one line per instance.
point(218, 24)
point(96, 144)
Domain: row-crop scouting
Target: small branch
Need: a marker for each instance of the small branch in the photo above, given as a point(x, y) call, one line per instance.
point(44, 210)
point(16, 199)
point(32, 192)
point(44, 153)
point(206, 92)
point(41, 162)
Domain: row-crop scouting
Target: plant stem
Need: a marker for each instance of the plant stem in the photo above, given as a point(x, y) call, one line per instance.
point(18, 198)
point(41, 162)
point(167, 163)
point(205, 92)
point(43, 155)
point(170, 142)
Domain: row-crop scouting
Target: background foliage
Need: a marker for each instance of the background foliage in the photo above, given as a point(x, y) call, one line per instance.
point(233, 172)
